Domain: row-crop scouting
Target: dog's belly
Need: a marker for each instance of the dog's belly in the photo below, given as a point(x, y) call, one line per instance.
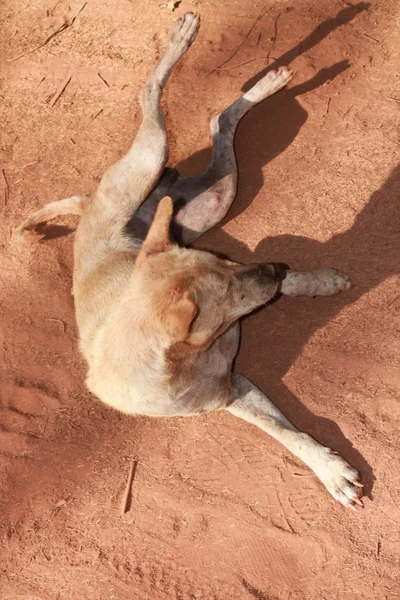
point(144, 392)
point(132, 398)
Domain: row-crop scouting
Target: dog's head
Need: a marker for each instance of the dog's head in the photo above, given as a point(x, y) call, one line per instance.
point(194, 296)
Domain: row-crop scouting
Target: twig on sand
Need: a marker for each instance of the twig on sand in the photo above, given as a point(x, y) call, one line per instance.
point(60, 90)
point(240, 45)
point(328, 105)
point(240, 64)
point(68, 23)
point(40, 82)
point(295, 163)
point(125, 501)
point(370, 37)
point(103, 80)
point(97, 114)
point(7, 188)
point(274, 37)
point(393, 301)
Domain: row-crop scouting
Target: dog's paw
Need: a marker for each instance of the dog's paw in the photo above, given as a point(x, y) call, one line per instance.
point(185, 31)
point(340, 479)
point(317, 282)
point(331, 281)
point(270, 84)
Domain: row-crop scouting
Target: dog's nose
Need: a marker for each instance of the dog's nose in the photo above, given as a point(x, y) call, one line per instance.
point(276, 271)
point(261, 272)
point(280, 270)
point(266, 270)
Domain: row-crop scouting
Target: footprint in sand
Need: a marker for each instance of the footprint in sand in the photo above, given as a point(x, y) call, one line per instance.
point(26, 415)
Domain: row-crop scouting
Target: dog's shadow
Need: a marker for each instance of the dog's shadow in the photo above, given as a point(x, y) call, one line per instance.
point(367, 251)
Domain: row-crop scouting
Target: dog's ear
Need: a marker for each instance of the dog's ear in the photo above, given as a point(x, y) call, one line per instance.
point(178, 314)
point(158, 237)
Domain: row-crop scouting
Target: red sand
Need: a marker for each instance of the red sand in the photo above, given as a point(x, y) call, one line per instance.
point(219, 510)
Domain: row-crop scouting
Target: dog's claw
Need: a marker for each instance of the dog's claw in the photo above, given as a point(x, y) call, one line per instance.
point(340, 479)
point(358, 483)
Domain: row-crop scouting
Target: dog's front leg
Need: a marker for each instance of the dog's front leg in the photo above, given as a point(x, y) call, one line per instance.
point(317, 282)
point(340, 479)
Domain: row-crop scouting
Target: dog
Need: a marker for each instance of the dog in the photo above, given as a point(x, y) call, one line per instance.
point(158, 321)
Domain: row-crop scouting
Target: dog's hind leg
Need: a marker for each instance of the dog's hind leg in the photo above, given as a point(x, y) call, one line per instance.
point(207, 198)
point(128, 182)
point(202, 201)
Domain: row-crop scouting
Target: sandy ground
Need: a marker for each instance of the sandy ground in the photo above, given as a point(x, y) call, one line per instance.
point(219, 510)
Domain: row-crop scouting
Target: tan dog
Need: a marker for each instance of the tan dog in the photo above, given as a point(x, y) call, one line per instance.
point(158, 322)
